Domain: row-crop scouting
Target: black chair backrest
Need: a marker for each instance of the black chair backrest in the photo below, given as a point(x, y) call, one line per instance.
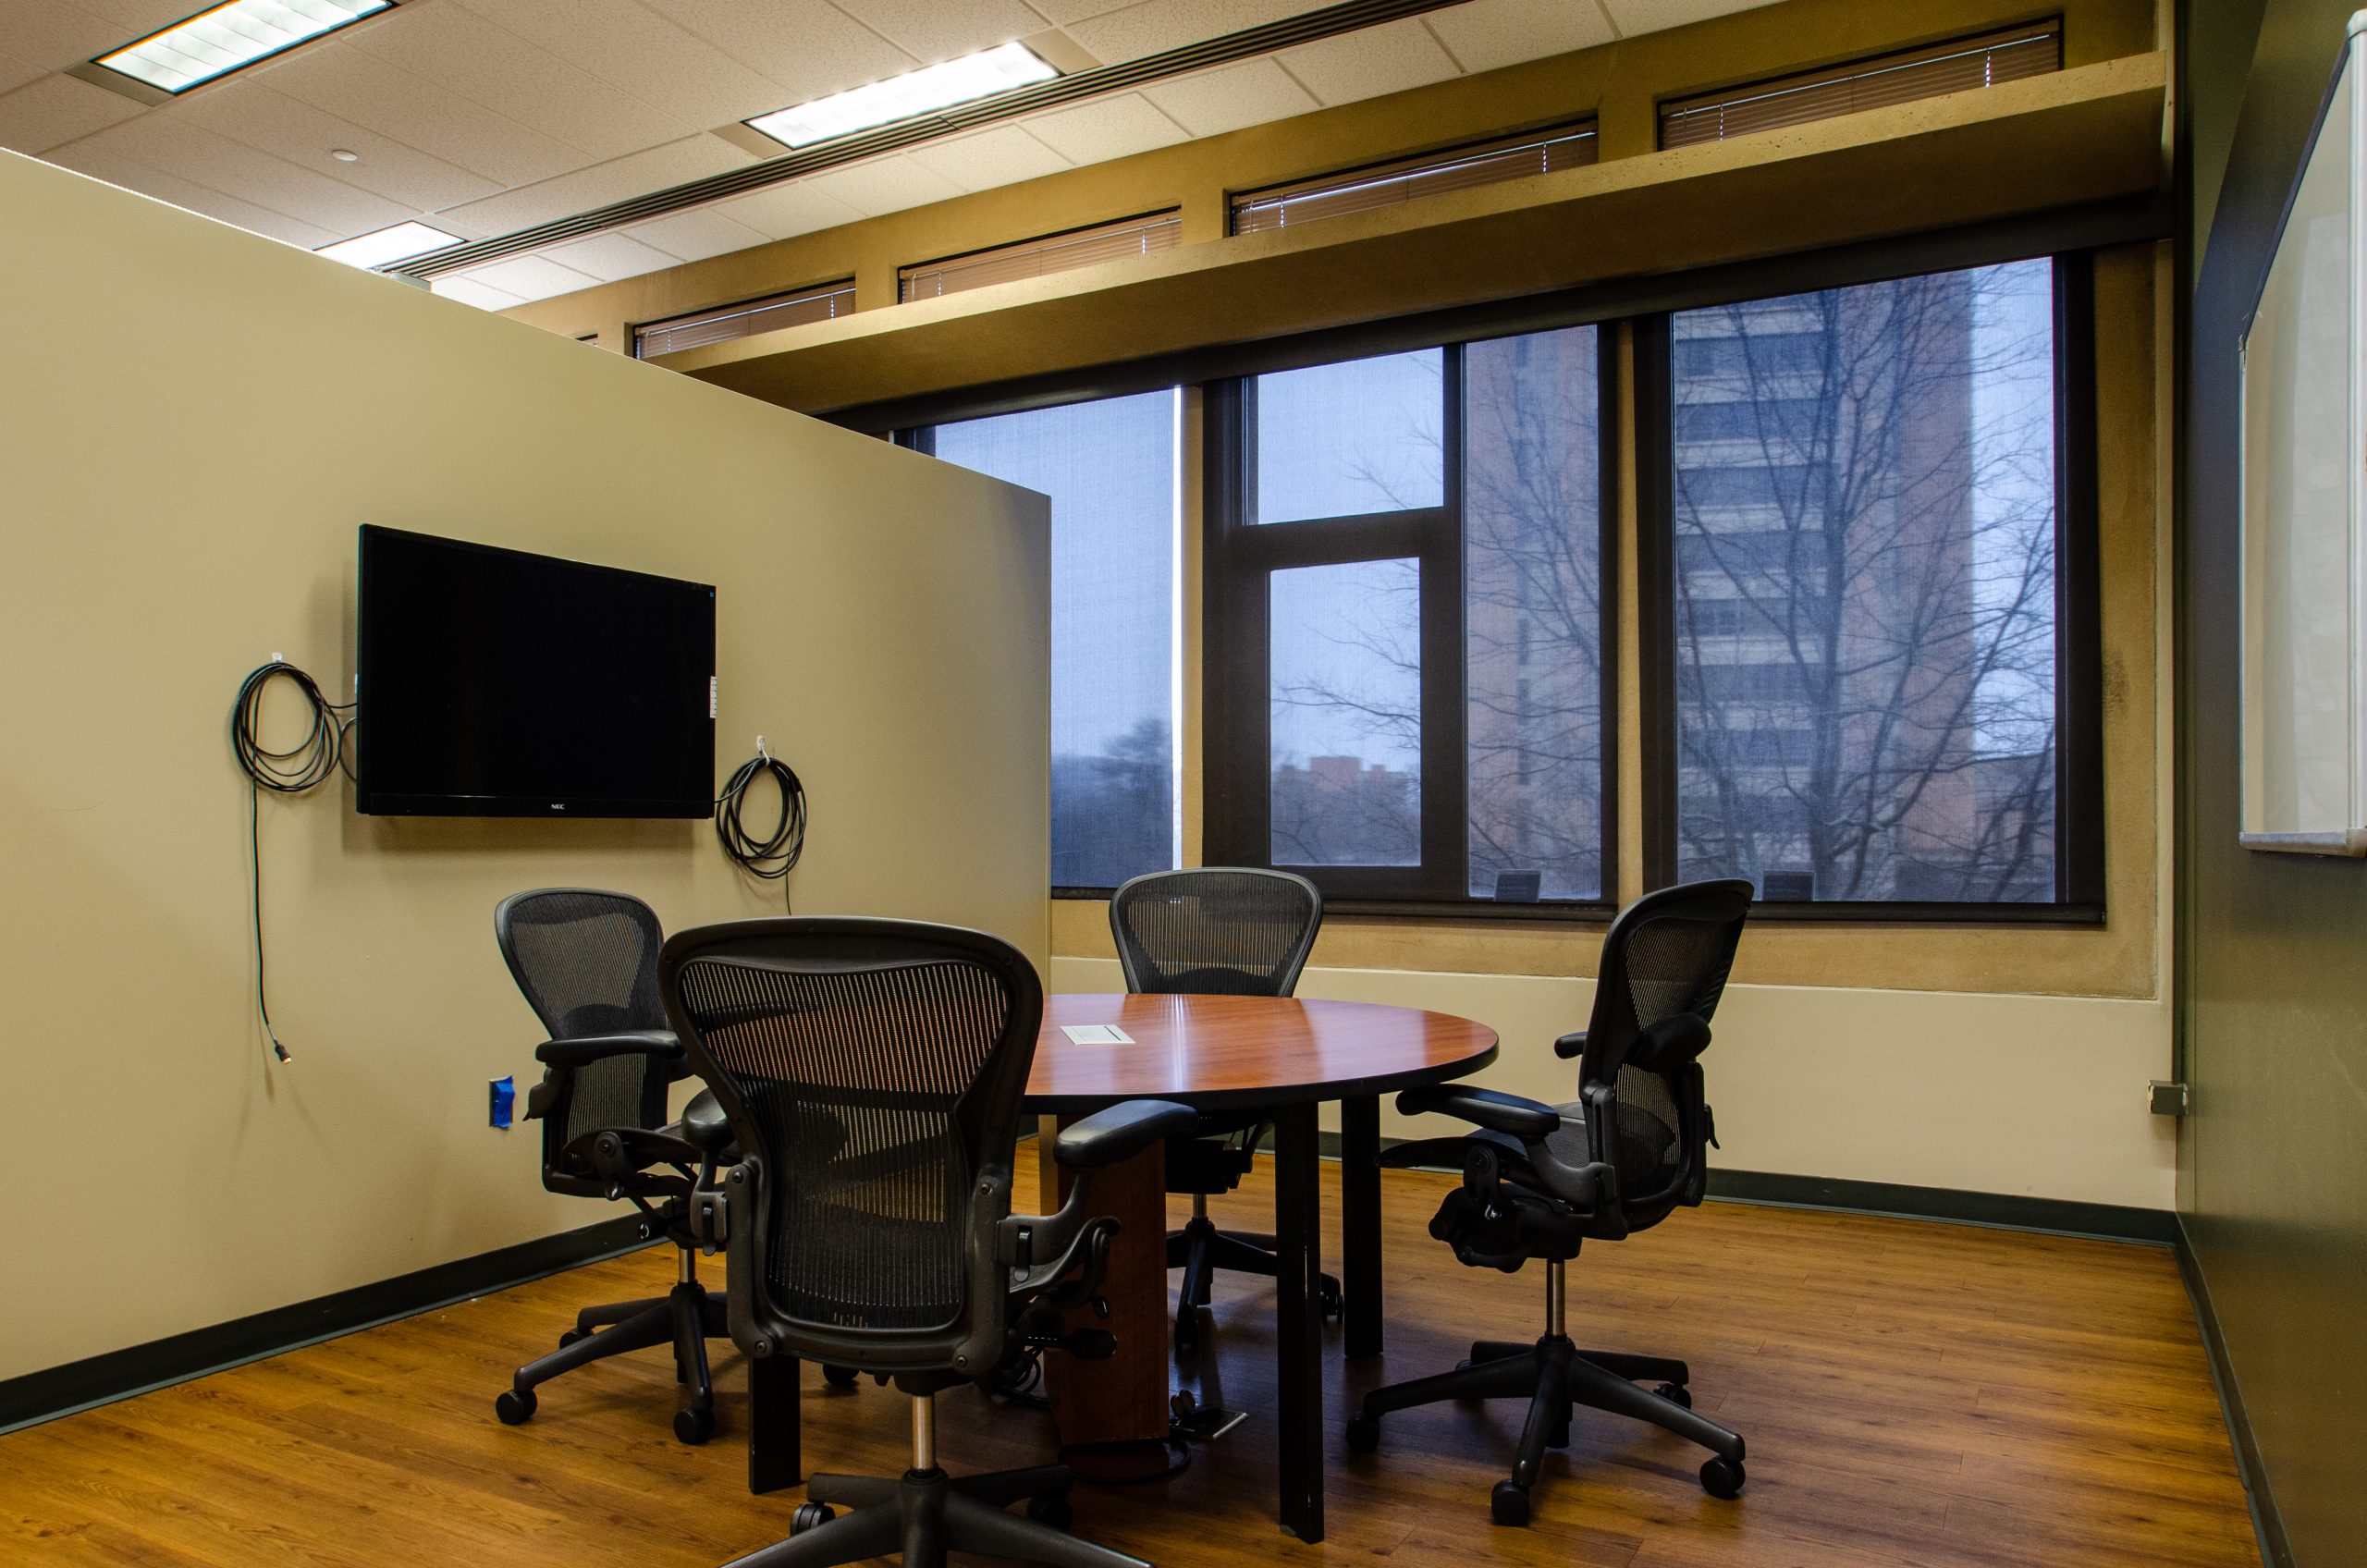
point(587, 962)
point(1224, 930)
point(1669, 952)
point(872, 1072)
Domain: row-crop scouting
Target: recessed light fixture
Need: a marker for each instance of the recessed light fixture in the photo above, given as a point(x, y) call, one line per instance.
point(385, 246)
point(345, 155)
point(213, 44)
point(901, 97)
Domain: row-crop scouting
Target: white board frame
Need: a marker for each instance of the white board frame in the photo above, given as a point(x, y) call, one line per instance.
point(2347, 836)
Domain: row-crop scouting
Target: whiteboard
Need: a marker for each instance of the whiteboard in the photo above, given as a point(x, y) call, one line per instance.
point(2303, 608)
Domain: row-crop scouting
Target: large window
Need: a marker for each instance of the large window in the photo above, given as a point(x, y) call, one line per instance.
point(1110, 469)
point(1871, 603)
point(1406, 632)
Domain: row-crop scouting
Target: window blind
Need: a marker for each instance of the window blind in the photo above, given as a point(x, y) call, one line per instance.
point(1038, 257)
point(1407, 180)
point(743, 320)
point(1959, 66)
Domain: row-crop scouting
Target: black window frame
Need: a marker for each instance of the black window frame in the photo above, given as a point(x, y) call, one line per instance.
point(1238, 560)
point(2079, 842)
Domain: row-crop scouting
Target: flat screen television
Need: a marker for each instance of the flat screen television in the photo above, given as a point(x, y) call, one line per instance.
point(497, 683)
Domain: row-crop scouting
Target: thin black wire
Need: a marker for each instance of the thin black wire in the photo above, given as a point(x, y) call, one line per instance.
point(774, 856)
point(305, 766)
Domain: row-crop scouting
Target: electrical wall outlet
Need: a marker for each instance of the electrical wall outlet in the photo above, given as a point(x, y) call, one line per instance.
point(502, 1099)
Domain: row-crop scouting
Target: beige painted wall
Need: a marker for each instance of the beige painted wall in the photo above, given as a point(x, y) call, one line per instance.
point(192, 422)
point(2038, 1097)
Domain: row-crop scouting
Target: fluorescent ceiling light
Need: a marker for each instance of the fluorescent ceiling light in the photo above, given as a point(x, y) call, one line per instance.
point(386, 246)
point(901, 97)
point(218, 41)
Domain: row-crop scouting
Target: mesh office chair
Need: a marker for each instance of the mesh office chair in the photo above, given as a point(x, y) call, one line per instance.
point(1540, 1180)
point(871, 1071)
point(1226, 931)
point(587, 962)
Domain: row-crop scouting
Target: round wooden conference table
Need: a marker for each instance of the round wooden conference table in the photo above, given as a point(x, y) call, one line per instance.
point(1282, 1058)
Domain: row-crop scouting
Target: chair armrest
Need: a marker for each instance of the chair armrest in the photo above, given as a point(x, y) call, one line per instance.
point(704, 1124)
point(1572, 1046)
point(1672, 1041)
point(1523, 1119)
point(1121, 1131)
point(590, 1048)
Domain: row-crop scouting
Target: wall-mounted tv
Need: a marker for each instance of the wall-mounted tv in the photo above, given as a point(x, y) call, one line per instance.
point(497, 683)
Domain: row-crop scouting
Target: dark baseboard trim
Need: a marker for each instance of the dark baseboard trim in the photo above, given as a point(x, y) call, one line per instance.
point(2268, 1524)
point(2001, 1211)
point(101, 1380)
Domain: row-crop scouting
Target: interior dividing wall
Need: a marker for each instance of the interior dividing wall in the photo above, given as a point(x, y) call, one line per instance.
point(193, 422)
point(2275, 972)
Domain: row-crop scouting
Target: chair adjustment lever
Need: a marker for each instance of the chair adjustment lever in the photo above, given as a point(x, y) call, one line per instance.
point(1085, 1345)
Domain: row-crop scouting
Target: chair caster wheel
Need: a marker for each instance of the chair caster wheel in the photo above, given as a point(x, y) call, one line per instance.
point(694, 1427)
point(515, 1406)
point(811, 1516)
point(1509, 1503)
point(1722, 1478)
point(1182, 1405)
point(1334, 1307)
point(573, 1336)
point(1052, 1511)
point(1675, 1393)
point(841, 1377)
point(1364, 1434)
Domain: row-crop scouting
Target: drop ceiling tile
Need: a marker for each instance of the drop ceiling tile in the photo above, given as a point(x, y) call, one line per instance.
point(58, 109)
point(419, 113)
point(1632, 17)
point(1106, 127)
point(884, 185)
point(675, 163)
point(469, 291)
point(609, 257)
point(494, 67)
point(1227, 99)
point(1487, 34)
point(695, 235)
point(15, 71)
point(809, 47)
point(640, 53)
point(257, 114)
point(138, 19)
point(1003, 155)
point(780, 210)
point(1370, 62)
point(55, 36)
point(1156, 26)
point(933, 30)
point(100, 164)
point(163, 140)
point(1063, 12)
point(530, 277)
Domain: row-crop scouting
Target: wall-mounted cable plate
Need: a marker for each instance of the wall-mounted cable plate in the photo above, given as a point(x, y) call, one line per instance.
point(502, 1099)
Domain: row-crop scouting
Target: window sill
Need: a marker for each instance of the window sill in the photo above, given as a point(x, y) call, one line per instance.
point(1780, 911)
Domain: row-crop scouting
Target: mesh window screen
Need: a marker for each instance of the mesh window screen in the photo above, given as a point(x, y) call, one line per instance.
point(744, 320)
point(854, 1078)
point(1407, 180)
point(1902, 78)
point(1038, 258)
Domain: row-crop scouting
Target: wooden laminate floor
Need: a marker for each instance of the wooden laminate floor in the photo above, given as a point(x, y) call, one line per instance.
point(1912, 1393)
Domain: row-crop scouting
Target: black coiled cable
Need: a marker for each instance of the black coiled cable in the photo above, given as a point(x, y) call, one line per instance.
point(774, 856)
point(305, 766)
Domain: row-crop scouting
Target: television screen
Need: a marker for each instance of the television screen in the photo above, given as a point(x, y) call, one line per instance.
point(496, 683)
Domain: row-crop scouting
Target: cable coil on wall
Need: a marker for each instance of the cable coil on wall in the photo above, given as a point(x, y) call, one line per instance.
point(301, 768)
